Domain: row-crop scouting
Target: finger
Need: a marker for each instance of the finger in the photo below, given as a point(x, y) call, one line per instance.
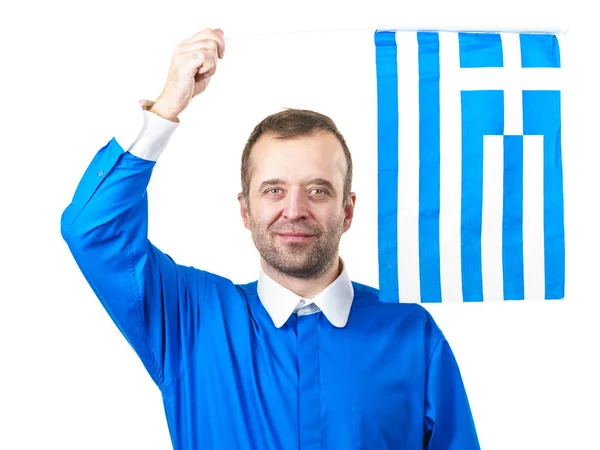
point(200, 35)
point(203, 76)
point(216, 35)
point(207, 67)
point(205, 44)
point(221, 42)
point(191, 62)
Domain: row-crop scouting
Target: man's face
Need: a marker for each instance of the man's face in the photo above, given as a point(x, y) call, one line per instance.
point(295, 210)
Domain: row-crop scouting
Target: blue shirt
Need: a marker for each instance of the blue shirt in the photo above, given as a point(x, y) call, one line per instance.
point(229, 377)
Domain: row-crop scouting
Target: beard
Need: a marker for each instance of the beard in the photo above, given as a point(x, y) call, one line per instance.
point(298, 259)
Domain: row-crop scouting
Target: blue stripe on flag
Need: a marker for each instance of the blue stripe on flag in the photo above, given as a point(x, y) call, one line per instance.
point(539, 50)
point(387, 156)
point(480, 50)
point(512, 219)
point(482, 113)
point(541, 115)
point(429, 167)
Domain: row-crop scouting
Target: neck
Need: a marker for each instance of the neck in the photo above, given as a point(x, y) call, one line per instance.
point(304, 287)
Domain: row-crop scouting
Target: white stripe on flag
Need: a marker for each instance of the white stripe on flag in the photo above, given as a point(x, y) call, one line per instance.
point(513, 95)
point(408, 167)
point(499, 78)
point(491, 218)
point(450, 169)
point(533, 217)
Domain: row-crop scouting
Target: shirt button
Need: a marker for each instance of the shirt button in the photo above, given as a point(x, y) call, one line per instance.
point(100, 173)
point(301, 303)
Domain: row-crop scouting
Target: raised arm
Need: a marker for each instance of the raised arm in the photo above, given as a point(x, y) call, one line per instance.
point(149, 297)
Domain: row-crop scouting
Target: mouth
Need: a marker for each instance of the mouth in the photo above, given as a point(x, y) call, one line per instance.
point(295, 237)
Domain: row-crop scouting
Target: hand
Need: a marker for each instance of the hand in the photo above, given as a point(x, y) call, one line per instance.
point(193, 63)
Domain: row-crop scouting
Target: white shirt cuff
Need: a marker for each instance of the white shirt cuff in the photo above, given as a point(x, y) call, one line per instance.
point(151, 140)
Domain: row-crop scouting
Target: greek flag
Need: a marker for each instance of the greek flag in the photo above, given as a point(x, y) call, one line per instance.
point(470, 187)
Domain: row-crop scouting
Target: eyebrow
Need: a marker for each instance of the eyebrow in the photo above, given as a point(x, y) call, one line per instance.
point(278, 181)
point(272, 182)
point(323, 182)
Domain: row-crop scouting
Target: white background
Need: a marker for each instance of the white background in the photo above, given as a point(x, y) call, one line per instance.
point(70, 72)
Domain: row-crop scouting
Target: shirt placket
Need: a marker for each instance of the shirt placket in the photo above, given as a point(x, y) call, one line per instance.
point(309, 382)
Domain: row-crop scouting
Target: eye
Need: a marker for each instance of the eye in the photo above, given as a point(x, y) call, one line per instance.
point(318, 192)
point(274, 191)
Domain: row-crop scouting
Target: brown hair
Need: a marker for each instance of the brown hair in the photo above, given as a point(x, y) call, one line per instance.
point(288, 124)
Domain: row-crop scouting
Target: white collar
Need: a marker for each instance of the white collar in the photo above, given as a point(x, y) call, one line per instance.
point(334, 301)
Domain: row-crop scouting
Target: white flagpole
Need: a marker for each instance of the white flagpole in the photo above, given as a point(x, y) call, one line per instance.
point(440, 28)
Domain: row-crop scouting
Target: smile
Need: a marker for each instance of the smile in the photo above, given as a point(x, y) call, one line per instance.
point(295, 237)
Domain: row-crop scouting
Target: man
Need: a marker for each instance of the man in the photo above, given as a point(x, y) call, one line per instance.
point(302, 358)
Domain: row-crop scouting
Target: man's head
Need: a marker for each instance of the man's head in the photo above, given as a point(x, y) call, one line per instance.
point(296, 194)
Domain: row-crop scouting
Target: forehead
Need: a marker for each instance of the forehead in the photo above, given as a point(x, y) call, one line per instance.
point(316, 155)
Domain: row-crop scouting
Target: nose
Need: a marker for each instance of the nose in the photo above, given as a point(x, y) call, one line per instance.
point(296, 205)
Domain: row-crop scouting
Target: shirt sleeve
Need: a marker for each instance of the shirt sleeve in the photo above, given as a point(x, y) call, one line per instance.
point(449, 422)
point(151, 299)
point(149, 142)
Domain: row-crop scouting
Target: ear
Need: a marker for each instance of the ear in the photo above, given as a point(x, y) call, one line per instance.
point(244, 210)
point(349, 211)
